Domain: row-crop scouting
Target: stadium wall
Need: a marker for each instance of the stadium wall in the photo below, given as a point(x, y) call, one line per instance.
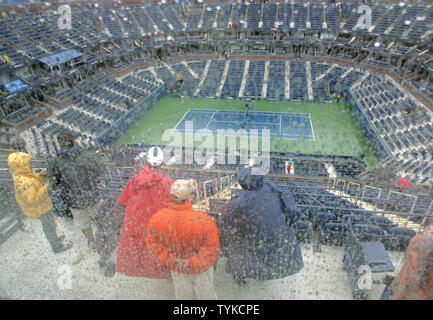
point(379, 148)
point(120, 126)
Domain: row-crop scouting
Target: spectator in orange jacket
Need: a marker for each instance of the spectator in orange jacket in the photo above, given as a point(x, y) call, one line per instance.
point(187, 242)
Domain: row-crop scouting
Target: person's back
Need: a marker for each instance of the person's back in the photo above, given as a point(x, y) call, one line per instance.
point(186, 232)
point(264, 220)
point(76, 172)
point(32, 196)
point(186, 242)
point(255, 234)
point(147, 192)
point(30, 192)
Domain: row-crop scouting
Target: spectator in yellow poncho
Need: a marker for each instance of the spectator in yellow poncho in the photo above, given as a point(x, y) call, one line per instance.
point(32, 196)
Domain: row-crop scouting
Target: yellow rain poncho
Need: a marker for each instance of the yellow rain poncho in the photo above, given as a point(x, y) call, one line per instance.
point(30, 193)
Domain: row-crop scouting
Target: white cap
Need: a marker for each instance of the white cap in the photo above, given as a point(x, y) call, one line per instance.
point(155, 156)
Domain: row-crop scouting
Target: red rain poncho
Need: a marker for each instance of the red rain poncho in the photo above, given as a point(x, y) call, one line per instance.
point(145, 194)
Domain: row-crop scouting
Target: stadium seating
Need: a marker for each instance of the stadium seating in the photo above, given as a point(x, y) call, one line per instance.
point(316, 16)
point(194, 18)
point(213, 78)
point(253, 86)
point(223, 17)
point(385, 105)
point(254, 15)
point(172, 17)
point(21, 114)
point(233, 81)
point(276, 80)
point(399, 118)
point(359, 253)
point(238, 14)
point(300, 16)
point(298, 81)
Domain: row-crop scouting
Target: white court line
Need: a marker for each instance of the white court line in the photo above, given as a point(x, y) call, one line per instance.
point(281, 125)
point(312, 129)
point(297, 138)
point(311, 125)
point(254, 112)
point(275, 124)
point(202, 110)
point(175, 128)
point(213, 114)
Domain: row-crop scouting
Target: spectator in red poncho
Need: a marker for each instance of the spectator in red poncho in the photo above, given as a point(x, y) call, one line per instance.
point(290, 167)
point(187, 242)
point(147, 192)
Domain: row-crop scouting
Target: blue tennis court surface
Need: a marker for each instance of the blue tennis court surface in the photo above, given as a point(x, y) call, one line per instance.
point(282, 125)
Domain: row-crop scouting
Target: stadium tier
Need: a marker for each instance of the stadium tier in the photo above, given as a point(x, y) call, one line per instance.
point(345, 94)
point(113, 57)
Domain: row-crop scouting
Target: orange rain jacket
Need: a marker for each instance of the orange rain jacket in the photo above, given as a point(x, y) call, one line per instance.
point(181, 232)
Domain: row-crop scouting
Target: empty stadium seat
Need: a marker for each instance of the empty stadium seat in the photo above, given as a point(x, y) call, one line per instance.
point(398, 238)
point(303, 231)
point(358, 254)
point(382, 222)
point(333, 233)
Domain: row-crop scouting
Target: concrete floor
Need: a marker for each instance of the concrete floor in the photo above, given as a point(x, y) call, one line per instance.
point(29, 270)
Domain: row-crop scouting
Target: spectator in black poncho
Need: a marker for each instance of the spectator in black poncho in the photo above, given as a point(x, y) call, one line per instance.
point(76, 172)
point(256, 234)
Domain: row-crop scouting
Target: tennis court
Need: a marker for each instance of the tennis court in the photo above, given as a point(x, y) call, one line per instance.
point(282, 125)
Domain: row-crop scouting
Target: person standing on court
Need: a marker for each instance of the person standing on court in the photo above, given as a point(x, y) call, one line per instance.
point(186, 241)
point(146, 192)
point(76, 173)
point(32, 196)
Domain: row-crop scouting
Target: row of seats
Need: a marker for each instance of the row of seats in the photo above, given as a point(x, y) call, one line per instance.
point(213, 79)
point(333, 225)
point(298, 82)
point(255, 77)
point(234, 78)
point(83, 121)
point(22, 114)
point(325, 76)
point(134, 20)
point(107, 112)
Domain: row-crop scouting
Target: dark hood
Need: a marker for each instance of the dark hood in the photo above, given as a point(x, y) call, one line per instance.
point(248, 181)
point(69, 153)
